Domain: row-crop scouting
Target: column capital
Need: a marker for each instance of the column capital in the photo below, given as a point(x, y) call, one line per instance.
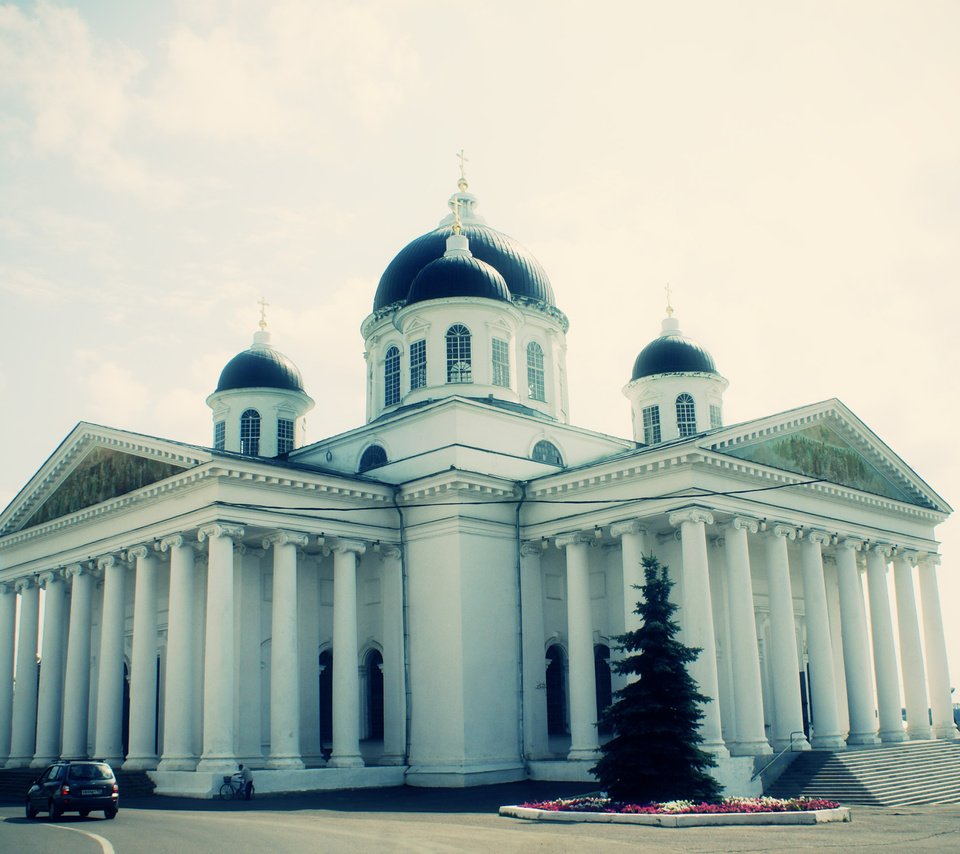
point(45, 579)
point(285, 538)
point(744, 523)
point(577, 537)
point(138, 552)
point(820, 538)
point(531, 548)
point(174, 541)
point(781, 529)
point(630, 526)
point(690, 514)
point(344, 546)
point(851, 543)
point(929, 558)
point(883, 549)
point(220, 529)
point(23, 584)
point(104, 562)
point(388, 551)
point(6, 587)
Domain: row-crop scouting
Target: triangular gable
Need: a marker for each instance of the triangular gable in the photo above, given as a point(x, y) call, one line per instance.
point(95, 464)
point(827, 441)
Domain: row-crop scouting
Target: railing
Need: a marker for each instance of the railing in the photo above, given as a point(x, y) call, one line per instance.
point(787, 749)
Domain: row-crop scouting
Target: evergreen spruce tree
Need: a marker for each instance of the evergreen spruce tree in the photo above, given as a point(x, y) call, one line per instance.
point(655, 753)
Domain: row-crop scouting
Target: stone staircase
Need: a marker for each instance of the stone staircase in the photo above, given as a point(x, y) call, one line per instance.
point(916, 772)
point(14, 783)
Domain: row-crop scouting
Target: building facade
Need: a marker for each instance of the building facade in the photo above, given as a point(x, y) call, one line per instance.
point(434, 597)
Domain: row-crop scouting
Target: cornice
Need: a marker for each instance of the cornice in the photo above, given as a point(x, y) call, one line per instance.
point(458, 483)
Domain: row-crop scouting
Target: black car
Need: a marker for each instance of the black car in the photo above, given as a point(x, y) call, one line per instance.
point(74, 785)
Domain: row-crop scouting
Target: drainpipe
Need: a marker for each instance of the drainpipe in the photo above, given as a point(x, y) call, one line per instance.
point(406, 625)
point(519, 564)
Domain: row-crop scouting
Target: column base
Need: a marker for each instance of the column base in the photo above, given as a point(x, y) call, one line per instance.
point(392, 759)
point(345, 761)
point(717, 748)
point(892, 736)
point(140, 763)
point(863, 738)
point(947, 731)
point(583, 754)
point(760, 747)
point(920, 733)
point(18, 762)
point(795, 745)
point(828, 742)
point(218, 764)
point(285, 763)
point(42, 761)
point(178, 763)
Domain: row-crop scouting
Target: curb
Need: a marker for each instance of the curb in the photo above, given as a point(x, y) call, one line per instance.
point(684, 819)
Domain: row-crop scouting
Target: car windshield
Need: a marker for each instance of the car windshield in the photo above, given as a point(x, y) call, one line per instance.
point(97, 771)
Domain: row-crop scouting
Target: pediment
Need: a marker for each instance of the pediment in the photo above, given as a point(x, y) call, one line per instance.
point(94, 465)
point(828, 442)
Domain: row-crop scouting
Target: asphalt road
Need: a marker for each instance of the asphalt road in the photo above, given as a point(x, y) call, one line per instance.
point(424, 820)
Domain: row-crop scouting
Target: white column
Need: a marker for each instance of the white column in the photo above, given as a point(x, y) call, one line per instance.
point(142, 753)
point(50, 700)
point(788, 720)
point(584, 740)
point(178, 730)
point(884, 651)
point(8, 613)
point(698, 619)
point(394, 677)
point(23, 734)
point(108, 742)
point(535, 744)
point(633, 539)
point(938, 672)
point(346, 677)
point(823, 678)
point(751, 739)
point(853, 633)
point(285, 652)
point(911, 650)
point(219, 684)
point(76, 688)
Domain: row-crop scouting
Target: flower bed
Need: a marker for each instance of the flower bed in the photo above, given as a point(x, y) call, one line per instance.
point(598, 804)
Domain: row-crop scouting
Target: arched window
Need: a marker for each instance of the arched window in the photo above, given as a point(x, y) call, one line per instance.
point(535, 380)
point(391, 377)
point(458, 354)
point(373, 677)
point(250, 432)
point(556, 691)
point(604, 683)
point(686, 415)
point(546, 452)
point(325, 666)
point(371, 458)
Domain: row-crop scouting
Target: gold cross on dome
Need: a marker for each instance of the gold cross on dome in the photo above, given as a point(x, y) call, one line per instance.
point(457, 224)
point(669, 305)
point(263, 312)
point(463, 164)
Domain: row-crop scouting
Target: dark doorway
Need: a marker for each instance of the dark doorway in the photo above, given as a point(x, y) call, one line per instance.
point(125, 726)
point(374, 670)
point(556, 692)
point(326, 697)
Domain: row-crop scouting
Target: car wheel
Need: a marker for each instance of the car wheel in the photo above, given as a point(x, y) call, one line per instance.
point(31, 810)
point(55, 810)
point(110, 812)
point(84, 813)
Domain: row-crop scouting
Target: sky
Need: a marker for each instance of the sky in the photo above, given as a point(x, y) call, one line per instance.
point(790, 169)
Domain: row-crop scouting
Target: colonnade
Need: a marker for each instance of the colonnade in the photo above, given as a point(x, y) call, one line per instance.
point(42, 720)
point(873, 675)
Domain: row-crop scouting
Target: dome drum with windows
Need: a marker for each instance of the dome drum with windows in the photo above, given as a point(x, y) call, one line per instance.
point(465, 310)
point(675, 389)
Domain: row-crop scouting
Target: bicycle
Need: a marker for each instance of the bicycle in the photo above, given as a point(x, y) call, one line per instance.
point(232, 788)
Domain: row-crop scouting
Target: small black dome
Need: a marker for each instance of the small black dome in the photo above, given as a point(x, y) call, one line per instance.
point(522, 272)
point(673, 354)
point(260, 367)
point(457, 276)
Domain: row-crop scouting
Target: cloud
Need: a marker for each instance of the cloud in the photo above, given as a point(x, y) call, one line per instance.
point(112, 394)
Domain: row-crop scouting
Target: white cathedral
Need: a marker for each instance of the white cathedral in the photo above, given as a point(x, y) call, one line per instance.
point(433, 597)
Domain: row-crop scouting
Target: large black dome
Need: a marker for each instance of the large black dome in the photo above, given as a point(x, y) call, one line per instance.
point(522, 272)
point(260, 367)
point(673, 354)
point(458, 276)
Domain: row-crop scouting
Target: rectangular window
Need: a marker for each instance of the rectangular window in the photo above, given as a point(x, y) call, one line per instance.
point(501, 363)
point(715, 418)
point(418, 364)
point(284, 436)
point(651, 425)
point(219, 436)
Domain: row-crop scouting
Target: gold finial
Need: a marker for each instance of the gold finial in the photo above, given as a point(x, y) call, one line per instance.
point(669, 305)
point(462, 183)
point(457, 224)
point(263, 313)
